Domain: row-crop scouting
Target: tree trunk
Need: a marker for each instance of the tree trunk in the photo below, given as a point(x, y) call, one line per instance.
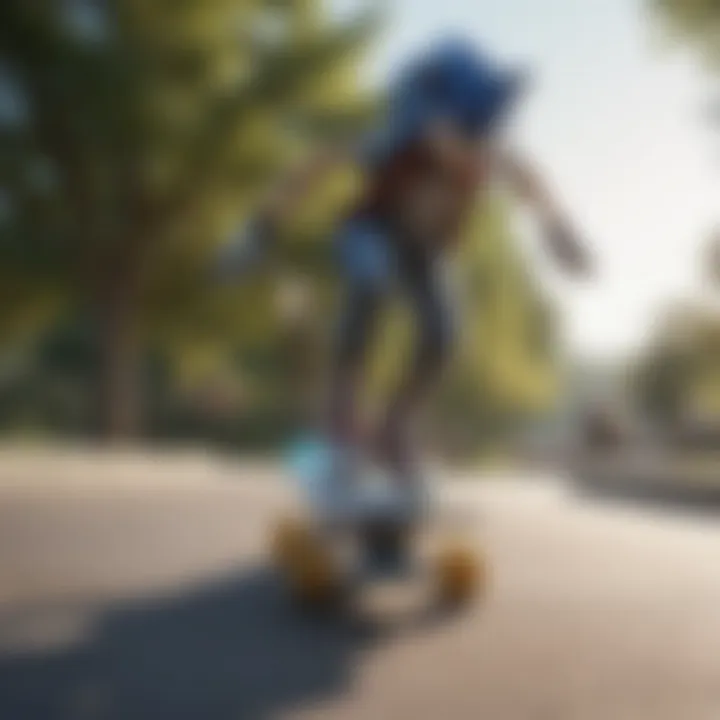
point(119, 396)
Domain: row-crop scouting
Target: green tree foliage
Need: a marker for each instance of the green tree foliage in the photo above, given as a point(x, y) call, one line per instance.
point(690, 373)
point(133, 135)
point(505, 369)
point(697, 24)
point(696, 21)
point(679, 377)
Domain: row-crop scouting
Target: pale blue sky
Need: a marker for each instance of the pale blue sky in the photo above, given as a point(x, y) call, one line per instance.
point(615, 120)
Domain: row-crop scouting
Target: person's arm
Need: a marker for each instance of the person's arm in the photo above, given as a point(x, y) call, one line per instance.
point(250, 246)
point(294, 187)
point(558, 232)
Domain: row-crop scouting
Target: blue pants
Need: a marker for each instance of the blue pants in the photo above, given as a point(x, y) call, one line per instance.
point(375, 265)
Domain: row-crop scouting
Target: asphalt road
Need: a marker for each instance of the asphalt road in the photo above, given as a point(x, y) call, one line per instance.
point(134, 589)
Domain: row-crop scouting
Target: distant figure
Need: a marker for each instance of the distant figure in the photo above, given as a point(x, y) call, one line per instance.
point(434, 151)
point(602, 431)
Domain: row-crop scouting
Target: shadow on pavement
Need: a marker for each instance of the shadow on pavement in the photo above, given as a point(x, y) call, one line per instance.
point(232, 650)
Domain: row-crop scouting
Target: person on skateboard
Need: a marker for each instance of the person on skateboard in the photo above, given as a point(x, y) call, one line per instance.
point(436, 148)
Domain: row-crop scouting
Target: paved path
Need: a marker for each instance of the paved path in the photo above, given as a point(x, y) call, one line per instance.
point(133, 590)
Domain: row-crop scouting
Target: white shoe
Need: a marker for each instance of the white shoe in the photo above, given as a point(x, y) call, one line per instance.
point(337, 500)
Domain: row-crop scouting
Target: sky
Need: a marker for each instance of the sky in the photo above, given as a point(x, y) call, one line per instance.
point(615, 120)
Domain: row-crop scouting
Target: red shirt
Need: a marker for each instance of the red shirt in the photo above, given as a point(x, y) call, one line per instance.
point(392, 183)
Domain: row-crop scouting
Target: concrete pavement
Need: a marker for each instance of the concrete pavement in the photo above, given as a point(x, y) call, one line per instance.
point(145, 593)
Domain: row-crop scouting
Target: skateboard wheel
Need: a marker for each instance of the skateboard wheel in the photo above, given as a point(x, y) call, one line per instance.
point(313, 580)
point(305, 563)
point(459, 574)
point(288, 540)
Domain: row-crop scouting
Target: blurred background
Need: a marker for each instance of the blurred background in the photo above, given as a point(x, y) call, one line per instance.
point(135, 139)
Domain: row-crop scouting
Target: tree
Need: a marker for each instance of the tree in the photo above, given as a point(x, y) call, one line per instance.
point(695, 21)
point(697, 24)
point(132, 137)
point(678, 379)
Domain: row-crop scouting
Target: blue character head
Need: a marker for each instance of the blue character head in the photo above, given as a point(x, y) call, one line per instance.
point(456, 80)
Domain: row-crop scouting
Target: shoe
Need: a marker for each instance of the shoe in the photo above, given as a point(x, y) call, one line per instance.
point(326, 476)
point(337, 499)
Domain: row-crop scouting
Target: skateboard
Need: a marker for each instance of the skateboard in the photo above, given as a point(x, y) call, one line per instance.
point(326, 559)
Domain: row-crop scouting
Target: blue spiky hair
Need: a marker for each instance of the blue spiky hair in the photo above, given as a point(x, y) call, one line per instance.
point(456, 77)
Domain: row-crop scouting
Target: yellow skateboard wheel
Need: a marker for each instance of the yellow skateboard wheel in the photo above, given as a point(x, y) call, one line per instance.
point(313, 580)
point(289, 538)
point(460, 574)
point(305, 563)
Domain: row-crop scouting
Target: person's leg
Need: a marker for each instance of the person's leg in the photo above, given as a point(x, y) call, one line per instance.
point(361, 307)
point(367, 264)
point(434, 318)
